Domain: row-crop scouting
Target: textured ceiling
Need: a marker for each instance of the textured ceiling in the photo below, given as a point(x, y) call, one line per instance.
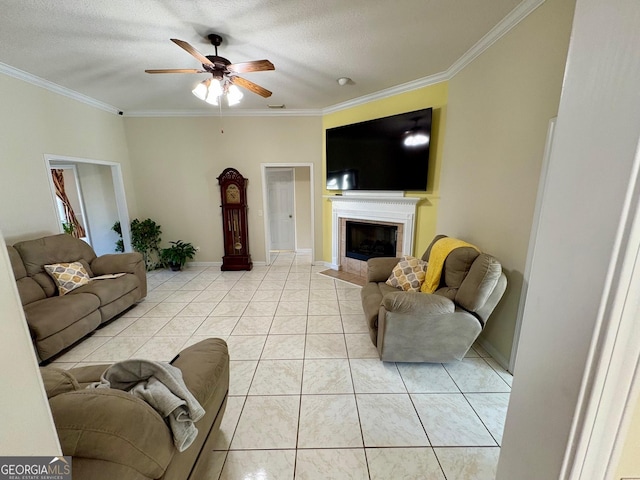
point(101, 48)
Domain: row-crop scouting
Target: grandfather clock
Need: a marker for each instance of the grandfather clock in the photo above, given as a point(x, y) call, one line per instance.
point(233, 192)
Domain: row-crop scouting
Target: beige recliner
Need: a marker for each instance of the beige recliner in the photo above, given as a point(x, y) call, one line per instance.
point(438, 327)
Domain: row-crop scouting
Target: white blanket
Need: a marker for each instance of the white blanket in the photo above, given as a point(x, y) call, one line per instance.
point(161, 386)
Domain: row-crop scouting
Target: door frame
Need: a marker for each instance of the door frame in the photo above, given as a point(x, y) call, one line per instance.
point(268, 205)
point(531, 251)
point(267, 231)
point(118, 187)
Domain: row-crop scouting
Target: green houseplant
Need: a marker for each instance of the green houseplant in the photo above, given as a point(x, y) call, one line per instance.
point(145, 238)
point(177, 254)
point(68, 228)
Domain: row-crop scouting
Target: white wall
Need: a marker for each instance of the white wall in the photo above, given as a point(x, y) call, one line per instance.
point(590, 169)
point(498, 112)
point(35, 122)
point(100, 205)
point(176, 162)
point(27, 426)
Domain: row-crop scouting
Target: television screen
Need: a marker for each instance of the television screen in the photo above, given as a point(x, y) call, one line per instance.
point(390, 153)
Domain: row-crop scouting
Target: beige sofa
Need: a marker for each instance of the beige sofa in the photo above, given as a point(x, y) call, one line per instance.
point(56, 322)
point(438, 327)
point(113, 435)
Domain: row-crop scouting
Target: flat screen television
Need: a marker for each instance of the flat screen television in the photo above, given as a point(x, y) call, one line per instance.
point(390, 153)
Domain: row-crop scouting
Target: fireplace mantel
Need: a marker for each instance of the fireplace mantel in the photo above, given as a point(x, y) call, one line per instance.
point(381, 208)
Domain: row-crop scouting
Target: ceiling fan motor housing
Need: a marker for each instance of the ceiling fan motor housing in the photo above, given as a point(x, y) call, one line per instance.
point(219, 67)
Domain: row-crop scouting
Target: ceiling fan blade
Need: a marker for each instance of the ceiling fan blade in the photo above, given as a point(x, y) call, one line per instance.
point(255, 66)
point(184, 45)
point(177, 70)
point(243, 82)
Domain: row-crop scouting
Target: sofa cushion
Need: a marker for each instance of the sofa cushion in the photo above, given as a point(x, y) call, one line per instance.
point(49, 250)
point(457, 265)
point(57, 381)
point(52, 315)
point(479, 283)
point(110, 289)
point(408, 274)
point(28, 289)
point(68, 276)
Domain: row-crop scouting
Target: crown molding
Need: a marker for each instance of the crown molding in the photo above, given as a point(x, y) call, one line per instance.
point(388, 92)
point(226, 113)
point(503, 27)
point(496, 33)
point(55, 88)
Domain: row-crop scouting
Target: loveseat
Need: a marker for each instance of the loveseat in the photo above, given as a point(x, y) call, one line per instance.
point(114, 435)
point(58, 321)
point(439, 327)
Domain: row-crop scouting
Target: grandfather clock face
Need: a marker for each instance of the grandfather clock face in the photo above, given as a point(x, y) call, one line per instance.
point(232, 194)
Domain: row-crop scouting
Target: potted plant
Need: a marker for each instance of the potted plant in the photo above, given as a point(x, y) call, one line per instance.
point(145, 238)
point(177, 254)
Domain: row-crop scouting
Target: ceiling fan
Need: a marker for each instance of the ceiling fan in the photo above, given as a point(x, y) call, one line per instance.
point(222, 70)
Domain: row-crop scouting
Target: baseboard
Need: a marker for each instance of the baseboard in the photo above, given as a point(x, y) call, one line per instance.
point(203, 264)
point(304, 251)
point(218, 264)
point(497, 356)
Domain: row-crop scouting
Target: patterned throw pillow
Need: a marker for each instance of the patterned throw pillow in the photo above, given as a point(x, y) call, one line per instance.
point(408, 274)
point(68, 276)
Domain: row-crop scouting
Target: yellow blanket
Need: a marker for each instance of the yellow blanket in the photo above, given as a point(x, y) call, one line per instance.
point(439, 252)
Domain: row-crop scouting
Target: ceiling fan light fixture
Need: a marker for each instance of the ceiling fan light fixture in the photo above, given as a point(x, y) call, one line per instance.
point(212, 100)
point(234, 95)
point(202, 89)
point(215, 87)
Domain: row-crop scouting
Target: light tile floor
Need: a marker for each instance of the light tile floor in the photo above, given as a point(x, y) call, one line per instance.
point(308, 397)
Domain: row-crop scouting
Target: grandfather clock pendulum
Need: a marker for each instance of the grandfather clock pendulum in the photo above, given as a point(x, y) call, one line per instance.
point(233, 192)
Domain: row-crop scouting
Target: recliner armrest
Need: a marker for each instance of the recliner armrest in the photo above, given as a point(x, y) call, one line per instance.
point(379, 268)
point(116, 263)
point(131, 262)
point(113, 426)
point(418, 303)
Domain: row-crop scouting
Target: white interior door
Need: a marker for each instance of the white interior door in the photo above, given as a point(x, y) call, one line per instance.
point(280, 202)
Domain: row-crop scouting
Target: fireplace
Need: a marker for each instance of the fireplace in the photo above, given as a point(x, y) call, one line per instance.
point(368, 240)
point(385, 209)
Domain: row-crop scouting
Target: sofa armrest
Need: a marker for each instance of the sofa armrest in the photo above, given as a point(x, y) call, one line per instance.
point(205, 368)
point(416, 303)
point(132, 262)
point(113, 426)
point(116, 263)
point(379, 268)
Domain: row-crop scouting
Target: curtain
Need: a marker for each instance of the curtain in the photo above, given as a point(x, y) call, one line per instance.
point(58, 181)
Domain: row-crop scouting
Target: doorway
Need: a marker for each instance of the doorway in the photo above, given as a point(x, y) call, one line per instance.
point(101, 188)
point(281, 207)
point(287, 190)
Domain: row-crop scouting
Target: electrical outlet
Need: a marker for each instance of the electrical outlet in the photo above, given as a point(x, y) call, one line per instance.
point(197, 249)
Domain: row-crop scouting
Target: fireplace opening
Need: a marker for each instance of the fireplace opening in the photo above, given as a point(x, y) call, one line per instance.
point(369, 240)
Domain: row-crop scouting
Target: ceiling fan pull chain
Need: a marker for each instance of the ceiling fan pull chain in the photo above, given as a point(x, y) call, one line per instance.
point(221, 119)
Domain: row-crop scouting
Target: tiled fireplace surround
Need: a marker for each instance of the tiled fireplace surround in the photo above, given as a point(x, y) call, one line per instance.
point(388, 208)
